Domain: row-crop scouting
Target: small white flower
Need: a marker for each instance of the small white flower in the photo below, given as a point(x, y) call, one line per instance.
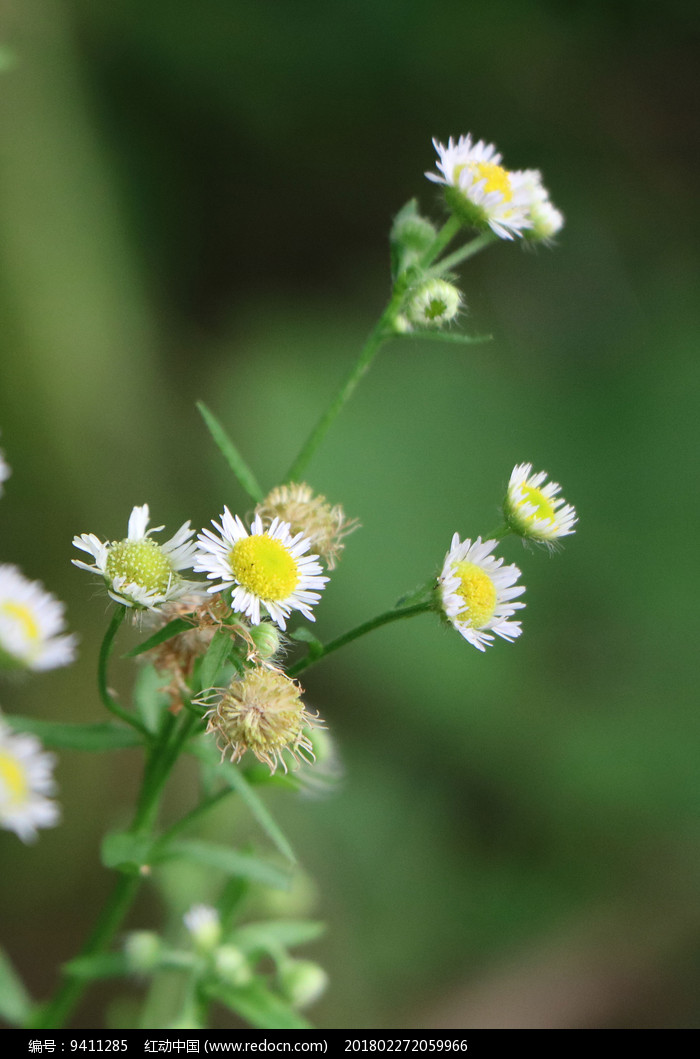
point(5, 470)
point(546, 219)
point(535, 510)
point(26, 784)
point(434, 303)
point(31, 623)
point(139, 572)
point(477, 592)
point(478, 190)
point(204, 926)
point(268, 568)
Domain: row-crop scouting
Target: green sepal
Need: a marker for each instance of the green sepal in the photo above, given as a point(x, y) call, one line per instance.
point(15, 1002)
point(99, 965)
point(240, 468)
point(234, 778)
point(259, 1006)
point(230, 861)
point(126, 852)
point(95, 737)
point(274, 934)
point(173, 628)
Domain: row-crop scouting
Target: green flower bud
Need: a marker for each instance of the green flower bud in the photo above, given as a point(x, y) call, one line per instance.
point(142, 949)
point(266, 638)
point(231, 966)
point(433, 303)
point(302, 982)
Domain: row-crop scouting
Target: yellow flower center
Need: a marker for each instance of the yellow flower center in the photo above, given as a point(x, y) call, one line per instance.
point(141, 563)
point(23, 616)
point(478, 592)
point(544, 508)
point(13, 780)
point(497, 178)
point(264, 566)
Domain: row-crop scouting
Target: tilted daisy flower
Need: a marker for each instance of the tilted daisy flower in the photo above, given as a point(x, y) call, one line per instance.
point(31, 624)
point(478, 190)
point(477, 592)
point(26, 784)
point(138, 571)
point(535, 510)
point(267, 568)
point(546, 219)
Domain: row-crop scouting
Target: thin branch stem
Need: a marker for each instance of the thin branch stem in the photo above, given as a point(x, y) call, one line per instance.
point(396, 614)
point(382, 330)
point(464, 252)
point(105, 694)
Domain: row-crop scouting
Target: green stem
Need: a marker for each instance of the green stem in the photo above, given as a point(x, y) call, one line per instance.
point(381, 331)
point(105, 694)
point(360, 630)
point(158, 768)
point(445, 236)
point(464, 252)
point(503, 530)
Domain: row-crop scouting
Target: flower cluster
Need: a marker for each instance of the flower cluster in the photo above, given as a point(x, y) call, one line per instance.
point(482, 193)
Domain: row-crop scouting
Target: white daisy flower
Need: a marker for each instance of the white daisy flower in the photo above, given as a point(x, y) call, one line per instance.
point(546, 219)
point(5, 470)
point(25, 785)
point(138, 571)
point(535, 510)
point(31, 624)
point(477, 592)
point(267, 568)
point(478, 190)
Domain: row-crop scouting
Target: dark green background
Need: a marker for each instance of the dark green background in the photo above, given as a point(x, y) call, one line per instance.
point(194, 203)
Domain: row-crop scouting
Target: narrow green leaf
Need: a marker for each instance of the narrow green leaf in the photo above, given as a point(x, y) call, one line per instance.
point(447, 336)
point(259, 1006)
point(304, 635)
point(243, 865)
point(231, 454)
point(274, 933)
point(15, 1002)
point(105, 736)
point(217, 654)
point(173, 628)
point(232, 775)
point(126, 852)
point(100, 965)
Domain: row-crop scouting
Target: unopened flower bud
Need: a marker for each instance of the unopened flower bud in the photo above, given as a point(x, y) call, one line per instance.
point(302, 982)
point(204, 925)
point(266, 638)
point(231, 965)
point(142, 949)
point(434, 303)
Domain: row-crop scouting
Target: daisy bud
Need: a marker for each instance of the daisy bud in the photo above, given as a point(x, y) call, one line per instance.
point(231, 966)
point(411, 237)
point(434, 303)
point(302, 982)
point(266, 638)
point(545, 218)
point(142, 949)
point(204, 925)
point(263, 713)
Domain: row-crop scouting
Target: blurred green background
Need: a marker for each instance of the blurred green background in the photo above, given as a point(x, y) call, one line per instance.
point(194, 203)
